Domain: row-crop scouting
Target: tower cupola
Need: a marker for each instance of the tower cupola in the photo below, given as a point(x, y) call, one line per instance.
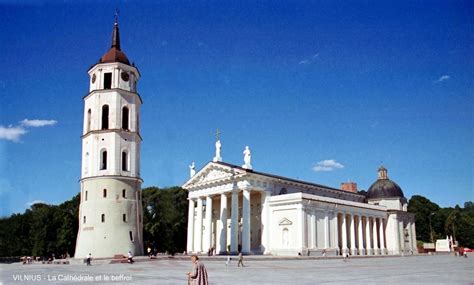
point(115, 54)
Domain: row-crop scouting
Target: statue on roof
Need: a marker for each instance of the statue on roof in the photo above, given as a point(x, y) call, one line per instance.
point(247, 158)
point(192, 170)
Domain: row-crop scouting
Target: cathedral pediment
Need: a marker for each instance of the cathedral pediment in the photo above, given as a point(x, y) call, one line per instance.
point(211, 173)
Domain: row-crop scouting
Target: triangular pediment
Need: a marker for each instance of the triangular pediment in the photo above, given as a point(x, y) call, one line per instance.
point(212, 172)
point(285, 222)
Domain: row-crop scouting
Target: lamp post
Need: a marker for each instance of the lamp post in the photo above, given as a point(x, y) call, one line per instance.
point(431, 229)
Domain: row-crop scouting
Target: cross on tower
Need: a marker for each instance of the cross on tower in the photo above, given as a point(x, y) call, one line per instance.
point(117, 11)
point(218, 133)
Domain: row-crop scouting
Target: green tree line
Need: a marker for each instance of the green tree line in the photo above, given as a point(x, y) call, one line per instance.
point(44, 229)
point(434, 222)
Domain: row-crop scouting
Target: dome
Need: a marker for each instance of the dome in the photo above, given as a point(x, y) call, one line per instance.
point(114, 54)
point(384, 187)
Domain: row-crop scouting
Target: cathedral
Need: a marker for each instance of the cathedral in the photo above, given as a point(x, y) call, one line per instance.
point(232, 208)
point(110, 211)
point(235, 208)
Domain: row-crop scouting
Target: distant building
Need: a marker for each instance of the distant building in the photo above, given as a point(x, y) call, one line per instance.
point(234, 208)
point(110, 213)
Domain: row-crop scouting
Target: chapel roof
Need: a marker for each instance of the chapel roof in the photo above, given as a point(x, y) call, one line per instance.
point(384, 187)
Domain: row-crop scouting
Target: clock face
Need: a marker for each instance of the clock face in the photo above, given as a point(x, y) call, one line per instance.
point(93, 78)
point(125, 76)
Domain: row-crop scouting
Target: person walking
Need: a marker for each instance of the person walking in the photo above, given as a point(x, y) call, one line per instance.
point(227, 263)
point(88, 259)
point(241, 260)
point(130, 257)
point(198, 275)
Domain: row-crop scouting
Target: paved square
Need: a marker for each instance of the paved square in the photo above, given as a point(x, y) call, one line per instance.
point(388, 270)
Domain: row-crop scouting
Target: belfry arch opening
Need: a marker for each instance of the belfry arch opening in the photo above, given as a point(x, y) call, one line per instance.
point(105, 117)
point(125, 115)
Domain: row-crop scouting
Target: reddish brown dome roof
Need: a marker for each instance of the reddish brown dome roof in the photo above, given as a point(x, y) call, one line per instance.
point(114, 54)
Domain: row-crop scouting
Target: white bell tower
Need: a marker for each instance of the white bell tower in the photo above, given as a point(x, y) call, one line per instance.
point(110, 212)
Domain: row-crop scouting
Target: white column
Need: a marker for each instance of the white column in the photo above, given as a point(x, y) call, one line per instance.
point(190, 242)
point(352, 235)
point(265, 246)
point(368, 238)
point(382, 237)
point(221, 246)
point(301, 228)
point(361, 236)
point(246, 222)
point(413, 237)
point(234, 224)
point(198, 236)
point(344, 234)
point(401, 233)
point(314, 239)
point(374, 232)
point(336, 232)
point(396, 235)
point(326, 230)
point(208, 227)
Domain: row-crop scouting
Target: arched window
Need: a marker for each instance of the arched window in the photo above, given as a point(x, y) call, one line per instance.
point(105, 117)
point(124, 218)
point(84, 219)
point(103, 218)
point(88, 127)
point(104, 193)
point(86, 196)
point(285, 238)
point(124, 192)
point(103, 160)
point(131, 235)
point(125, 118)
point(124, 161)
point(283, 191)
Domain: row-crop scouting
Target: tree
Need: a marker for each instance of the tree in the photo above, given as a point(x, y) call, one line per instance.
point(165, 218)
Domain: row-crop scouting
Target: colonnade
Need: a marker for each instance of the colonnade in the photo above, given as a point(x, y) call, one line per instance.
point(355, 234)
point(200, 228)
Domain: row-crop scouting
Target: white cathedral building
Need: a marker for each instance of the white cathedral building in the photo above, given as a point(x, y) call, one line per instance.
point(235, 208)
point(110, 211)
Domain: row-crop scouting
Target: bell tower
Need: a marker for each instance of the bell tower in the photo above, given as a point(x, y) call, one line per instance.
point(110, 212)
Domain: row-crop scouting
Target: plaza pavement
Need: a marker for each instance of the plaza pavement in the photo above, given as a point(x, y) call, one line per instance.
point(438, 269)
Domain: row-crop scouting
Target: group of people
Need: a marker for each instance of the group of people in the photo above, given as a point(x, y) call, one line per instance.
point(129, 258)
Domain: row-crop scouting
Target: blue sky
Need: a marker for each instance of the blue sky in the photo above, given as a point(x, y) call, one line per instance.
point(355, 84)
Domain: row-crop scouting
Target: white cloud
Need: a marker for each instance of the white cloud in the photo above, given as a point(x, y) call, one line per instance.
point(29, 204)
point(327, 165)
point(443, 78)
point(11, 133)
point(37, 123)
point(304, 62)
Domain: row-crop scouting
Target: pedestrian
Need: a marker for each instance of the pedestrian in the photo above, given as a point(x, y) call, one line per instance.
point(324, 252)
point(88, 259)
point(198, 275)
point(227, 263)
point(149, 252)
point(345, 256)
point(241, 259)
point(130, 257)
